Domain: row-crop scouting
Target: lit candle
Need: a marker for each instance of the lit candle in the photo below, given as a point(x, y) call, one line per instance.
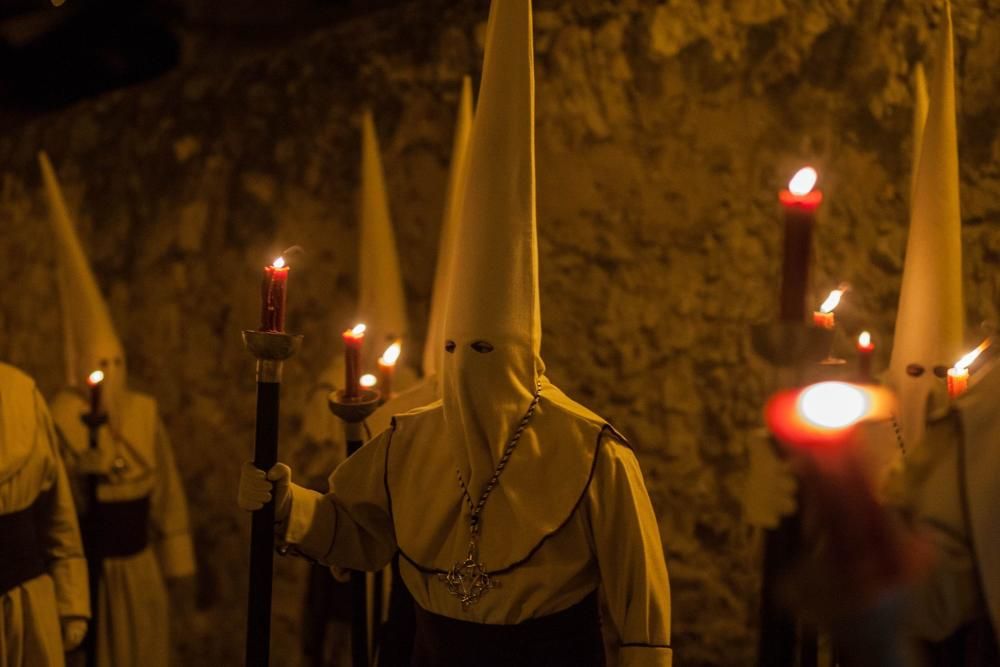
point(272, 296)
point(387, 368)
point(353, 338)
point(865, 347)
point(800, 202)
point(94, 381)
point(822, 416)
point(368, 381)
point(958, 375)
point(824, 317)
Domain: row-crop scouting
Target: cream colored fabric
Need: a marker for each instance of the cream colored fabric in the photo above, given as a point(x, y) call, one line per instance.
point(88, 332)
point(979, 411)
point(381, 301)
point(133, 615)
point(929, 322)
point(30, 635)
point(609, 538)
point(949, 597)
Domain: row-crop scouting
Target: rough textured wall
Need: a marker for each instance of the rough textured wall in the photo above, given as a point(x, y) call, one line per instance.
point(664, 131)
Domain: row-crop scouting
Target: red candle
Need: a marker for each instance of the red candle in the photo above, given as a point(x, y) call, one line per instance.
point(800, 202)
point(353, 339)
point(387, 368)
point(958, 375)
point(94, 381)
point(865, 347)
point(272, 296)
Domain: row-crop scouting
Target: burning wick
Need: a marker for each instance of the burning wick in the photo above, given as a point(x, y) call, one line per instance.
point(958, 375)
point(833, 405)
point(803, 181)
point(367, 381)
point(824, 317)
point(95, 378)
point(279, 263)
point(387, 368)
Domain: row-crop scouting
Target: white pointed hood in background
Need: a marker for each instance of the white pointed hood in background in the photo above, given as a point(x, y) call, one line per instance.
point(919, 120)
point(930, 319)
point(492, 313)
point(381, 301)
point(428, 389)
point(90, 341)
point(434, 344)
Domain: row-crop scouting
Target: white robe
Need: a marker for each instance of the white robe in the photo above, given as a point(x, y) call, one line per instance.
point(132, 618)
point(30, 634)
point(381, 499)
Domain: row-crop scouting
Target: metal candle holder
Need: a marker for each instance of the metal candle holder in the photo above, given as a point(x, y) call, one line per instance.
point(271, 349)
point(353, 411)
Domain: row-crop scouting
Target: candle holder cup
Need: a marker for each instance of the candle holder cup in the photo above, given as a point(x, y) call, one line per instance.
point(354, 410)
point(271, 349)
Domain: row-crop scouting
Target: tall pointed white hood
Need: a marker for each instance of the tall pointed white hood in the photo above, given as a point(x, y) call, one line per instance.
point(90, 341)
point(929, 322)
point(381, 302)
point(492, 325)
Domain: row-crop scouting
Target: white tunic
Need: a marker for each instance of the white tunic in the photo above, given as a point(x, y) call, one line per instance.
point(551, 538)
point(30, 466)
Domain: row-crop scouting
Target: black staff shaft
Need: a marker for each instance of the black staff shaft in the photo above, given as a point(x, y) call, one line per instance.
point(94, 562)
point(359, 597)
point(258, 637)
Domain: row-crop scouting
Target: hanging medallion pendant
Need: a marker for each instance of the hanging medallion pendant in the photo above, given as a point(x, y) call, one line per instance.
point(469, 581)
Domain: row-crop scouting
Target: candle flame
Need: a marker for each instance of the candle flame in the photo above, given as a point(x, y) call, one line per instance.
point(803, 181)
point(833, 404)
point(864, 339)
point(367, 380)
point(967, 360)
point(832, 301)
point(358, 330)
point(95, 378)
point(391, 354)
point(278, 263)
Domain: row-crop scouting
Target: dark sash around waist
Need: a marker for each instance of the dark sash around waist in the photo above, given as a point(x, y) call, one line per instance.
point(116, 530)
point(569, 637)
point(22, 557)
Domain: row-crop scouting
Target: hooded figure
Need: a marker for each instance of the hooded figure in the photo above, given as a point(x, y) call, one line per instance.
point(428, 389)
point(549, 504)
point(138, 528)
point(929, 323)
point(43, 576)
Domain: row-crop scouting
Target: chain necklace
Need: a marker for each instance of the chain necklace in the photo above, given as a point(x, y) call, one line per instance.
point(469, 580)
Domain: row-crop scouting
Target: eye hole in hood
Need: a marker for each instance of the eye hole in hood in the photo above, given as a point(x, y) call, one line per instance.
point(914, 370)
point(481, 346)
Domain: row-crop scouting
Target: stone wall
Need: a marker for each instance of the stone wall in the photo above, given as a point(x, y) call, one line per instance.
point(664, 131)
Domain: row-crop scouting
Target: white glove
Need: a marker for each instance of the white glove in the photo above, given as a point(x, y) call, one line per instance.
point(256, 487)
point(74, 629)
point(95, 461)
point(770, 487)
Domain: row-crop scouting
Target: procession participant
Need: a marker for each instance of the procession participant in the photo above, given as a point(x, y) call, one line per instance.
point(43, 575)
point(550, 504)
point(138, 529)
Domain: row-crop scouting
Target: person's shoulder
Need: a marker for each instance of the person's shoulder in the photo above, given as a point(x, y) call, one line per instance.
point(569, 409)
point(418, 417)
point(14, 377)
